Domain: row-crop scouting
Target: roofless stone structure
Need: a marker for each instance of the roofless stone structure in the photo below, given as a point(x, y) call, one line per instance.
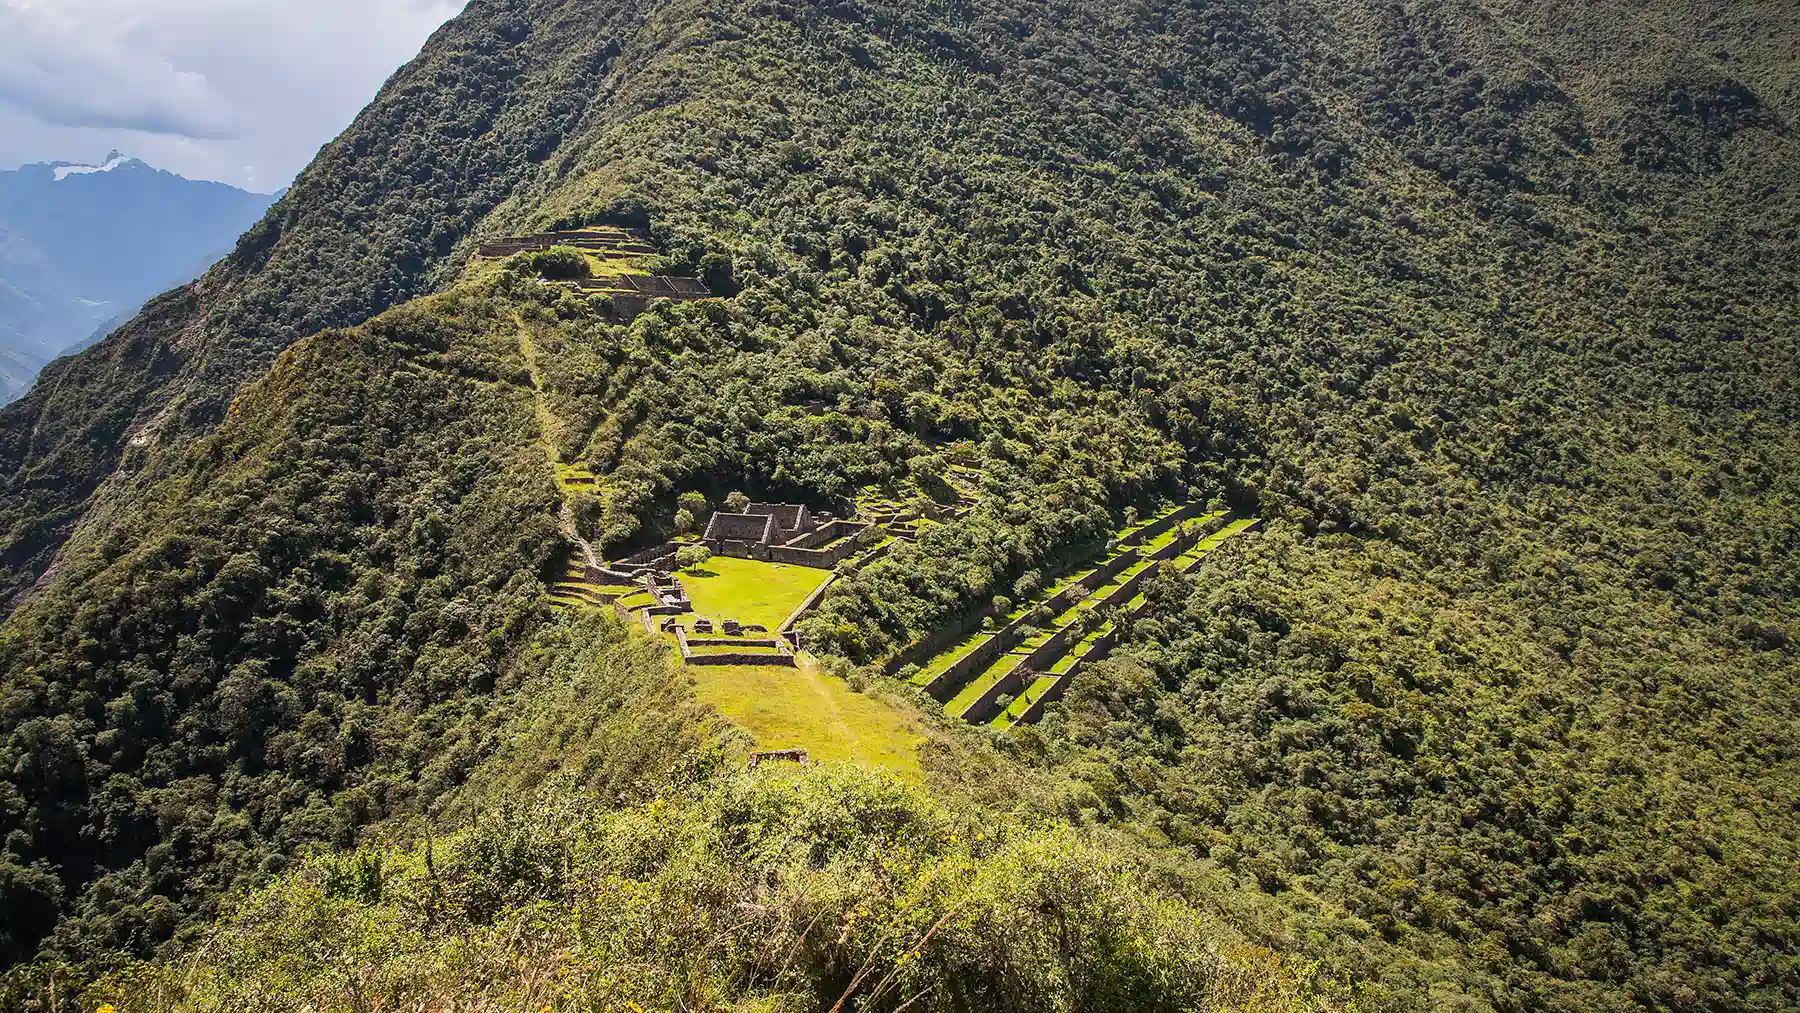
point(782, 533)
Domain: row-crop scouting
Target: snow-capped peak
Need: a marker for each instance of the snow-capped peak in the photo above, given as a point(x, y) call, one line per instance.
point(114, 160)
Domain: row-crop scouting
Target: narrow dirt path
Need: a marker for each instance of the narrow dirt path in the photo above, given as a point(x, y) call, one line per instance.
point(547, 429)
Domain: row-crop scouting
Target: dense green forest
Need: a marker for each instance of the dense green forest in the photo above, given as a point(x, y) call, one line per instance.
point(1491, 312)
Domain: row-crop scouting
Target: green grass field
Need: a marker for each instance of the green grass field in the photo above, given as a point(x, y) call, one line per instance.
point(762, 594)
point(803, 708)
point(980, 684)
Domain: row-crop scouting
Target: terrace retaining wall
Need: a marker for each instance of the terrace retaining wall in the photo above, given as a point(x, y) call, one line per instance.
point(775, 660)
point(1052, 693)
point(787, 625)
point(1097, 651)
point(602, 575)
point(1046, 654)
point(921, 651)
point(818, 559)
point(1110, 569)
point(1162, 524)
point(1129, 588)
point(729, 642)
point(940, 640)
point(988, 703)
point(783, 658)
point(1004, 639)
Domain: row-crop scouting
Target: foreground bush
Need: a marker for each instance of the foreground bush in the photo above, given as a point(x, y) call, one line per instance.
point(783, 890)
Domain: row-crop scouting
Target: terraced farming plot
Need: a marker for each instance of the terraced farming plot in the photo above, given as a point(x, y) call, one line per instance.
point(1053, 683)
point(574, 590)
point(970, 675)
point(979, 686)
point(1003, 675)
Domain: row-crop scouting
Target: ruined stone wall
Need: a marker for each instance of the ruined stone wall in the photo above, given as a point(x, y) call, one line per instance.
point(652, 555)
point(736, 548)
point(820, 559)
point(825, 534)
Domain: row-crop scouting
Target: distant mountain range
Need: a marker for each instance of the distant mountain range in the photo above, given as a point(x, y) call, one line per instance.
point(83, 246)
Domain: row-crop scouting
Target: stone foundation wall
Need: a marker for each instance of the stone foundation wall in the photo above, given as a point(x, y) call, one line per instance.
point(775, 660)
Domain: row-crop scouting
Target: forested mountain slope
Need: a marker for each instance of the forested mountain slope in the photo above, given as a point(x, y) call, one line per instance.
point(372, 222)
point(1489, 310)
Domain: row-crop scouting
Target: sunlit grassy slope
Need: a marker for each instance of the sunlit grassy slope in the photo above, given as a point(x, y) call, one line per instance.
point(803, 708)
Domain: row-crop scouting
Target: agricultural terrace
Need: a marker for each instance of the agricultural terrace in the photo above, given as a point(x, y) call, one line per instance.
point(1007, 671)
point(574, 589)
point(1049, 685)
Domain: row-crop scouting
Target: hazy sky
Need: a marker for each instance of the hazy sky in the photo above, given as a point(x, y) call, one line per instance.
point(243, 91)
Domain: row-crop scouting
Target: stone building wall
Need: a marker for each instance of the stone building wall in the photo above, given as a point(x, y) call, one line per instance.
point(652, 555)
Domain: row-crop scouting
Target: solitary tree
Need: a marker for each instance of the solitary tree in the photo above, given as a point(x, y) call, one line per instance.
point(689, 556)
point(737, 502)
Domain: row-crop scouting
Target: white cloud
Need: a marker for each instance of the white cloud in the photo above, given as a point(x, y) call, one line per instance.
point(240, 90)
point(71, 70)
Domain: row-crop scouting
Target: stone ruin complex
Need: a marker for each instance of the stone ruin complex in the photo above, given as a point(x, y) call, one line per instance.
point(630, 293)
point(783, 533)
